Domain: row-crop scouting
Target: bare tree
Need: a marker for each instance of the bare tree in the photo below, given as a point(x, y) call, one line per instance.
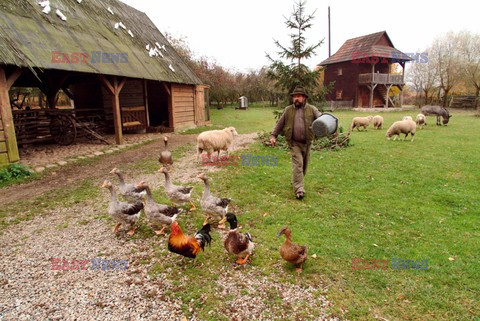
point(447, 57)
point(424, 78)
point(470, 55)
point(414, 77)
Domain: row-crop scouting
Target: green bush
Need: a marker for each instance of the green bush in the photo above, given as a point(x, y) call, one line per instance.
point(14, 172)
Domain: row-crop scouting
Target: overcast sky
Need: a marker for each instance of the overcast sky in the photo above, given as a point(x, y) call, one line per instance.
point(237, 34)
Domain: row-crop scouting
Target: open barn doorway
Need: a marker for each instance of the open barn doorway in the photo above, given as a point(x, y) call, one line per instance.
point(158, 100)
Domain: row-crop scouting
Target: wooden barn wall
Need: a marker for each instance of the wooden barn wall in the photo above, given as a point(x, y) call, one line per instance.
point(383, 41)
point(366, 68)
point(347, 82)
point(200, 113)
point(183, 105)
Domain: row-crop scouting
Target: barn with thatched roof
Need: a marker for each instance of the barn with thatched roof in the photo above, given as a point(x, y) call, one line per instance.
point(106, 56)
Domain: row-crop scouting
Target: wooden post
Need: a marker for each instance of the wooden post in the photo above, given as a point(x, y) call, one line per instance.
point(372, 88)
point(371, 96)
point(386, 97)
point(171, 119)
point(6, 115)
point(145, 99)
point(117, 116)
point(115, 90)
point(401, 96)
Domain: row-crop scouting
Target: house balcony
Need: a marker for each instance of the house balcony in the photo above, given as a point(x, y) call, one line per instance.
point(378, 78)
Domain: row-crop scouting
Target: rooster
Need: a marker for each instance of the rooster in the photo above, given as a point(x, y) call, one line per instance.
point(188, 246)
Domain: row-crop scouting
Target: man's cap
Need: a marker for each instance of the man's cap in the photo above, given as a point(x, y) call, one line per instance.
point(299, 90)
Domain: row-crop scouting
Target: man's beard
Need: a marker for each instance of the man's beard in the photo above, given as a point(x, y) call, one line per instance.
point(298, 104)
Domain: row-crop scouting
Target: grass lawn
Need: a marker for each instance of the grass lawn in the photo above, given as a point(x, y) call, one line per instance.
point(377, 199)
point(244, 121)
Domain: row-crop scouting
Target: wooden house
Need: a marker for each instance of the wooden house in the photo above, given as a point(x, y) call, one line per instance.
point(361, 72)
point(106, 56)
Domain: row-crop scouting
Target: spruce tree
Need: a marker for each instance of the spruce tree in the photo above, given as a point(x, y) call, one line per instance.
point(294, 72)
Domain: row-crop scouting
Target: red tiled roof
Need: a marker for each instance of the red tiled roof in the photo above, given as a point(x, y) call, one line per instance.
point(365, 46)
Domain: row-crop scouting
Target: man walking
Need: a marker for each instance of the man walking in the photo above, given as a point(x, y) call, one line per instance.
point(296, 124)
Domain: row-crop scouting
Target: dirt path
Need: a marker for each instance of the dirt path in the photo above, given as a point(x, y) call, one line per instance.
point(62, 177)
point(66, 176)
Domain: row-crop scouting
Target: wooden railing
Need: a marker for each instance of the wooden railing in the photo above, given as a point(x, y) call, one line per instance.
point(378, 78)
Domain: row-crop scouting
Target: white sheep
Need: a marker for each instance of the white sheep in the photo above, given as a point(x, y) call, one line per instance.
point(421, 120)
point(215, 141)
point(361, 122)
point(407, 117)
point(402, 127)
point(377, 122)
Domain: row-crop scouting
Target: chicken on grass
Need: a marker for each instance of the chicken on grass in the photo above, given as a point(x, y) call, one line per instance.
point(188, 246)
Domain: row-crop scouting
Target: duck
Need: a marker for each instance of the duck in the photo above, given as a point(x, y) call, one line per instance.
point(128, 191)
point(158, 214)
point(179, 195)
point(239, 244)
point(166, 156)
point(291, 252)
point(214, 207)
point(122, 212)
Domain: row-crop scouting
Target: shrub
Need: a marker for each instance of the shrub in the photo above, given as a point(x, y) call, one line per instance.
point(14, 172)
point(334, 142)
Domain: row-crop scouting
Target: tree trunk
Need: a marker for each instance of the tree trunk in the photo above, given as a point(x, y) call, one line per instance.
point(477, 93)
point(445, 97)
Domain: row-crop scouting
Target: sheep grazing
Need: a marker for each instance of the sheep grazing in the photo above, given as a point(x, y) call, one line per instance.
point(361, 122)
point(407, 117)
point(215, 141)
point(402, 127)
point(421, 120)
point(377, 122)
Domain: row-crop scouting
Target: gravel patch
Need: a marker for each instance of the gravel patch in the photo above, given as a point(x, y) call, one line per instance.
point(253, 296)
point(31, 290)
point(41, 155)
